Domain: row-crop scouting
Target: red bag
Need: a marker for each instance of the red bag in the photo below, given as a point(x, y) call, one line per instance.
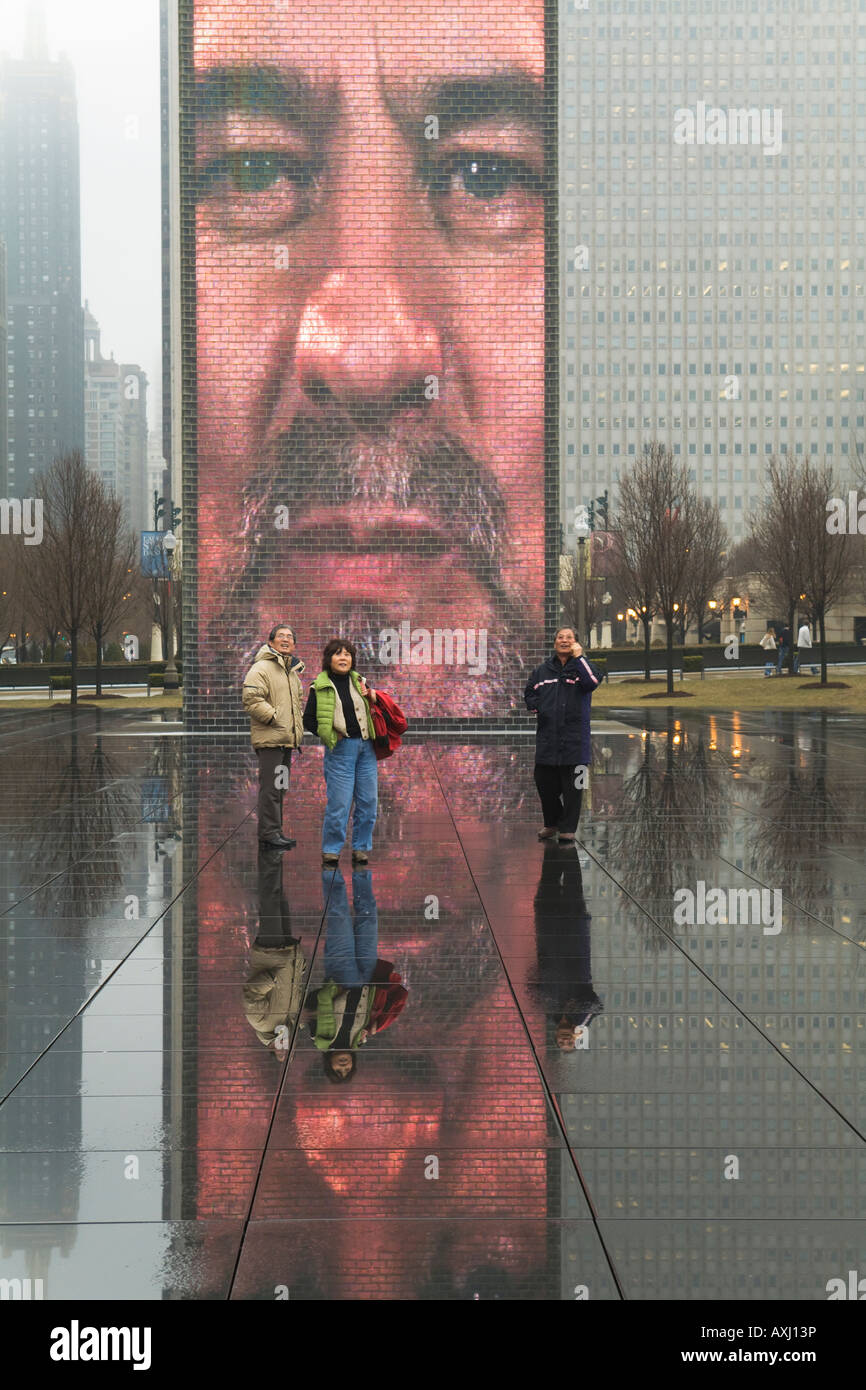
point(389, 723)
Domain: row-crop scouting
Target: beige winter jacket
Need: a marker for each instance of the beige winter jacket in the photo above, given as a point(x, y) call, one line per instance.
point(272, 698)
point(274, 991)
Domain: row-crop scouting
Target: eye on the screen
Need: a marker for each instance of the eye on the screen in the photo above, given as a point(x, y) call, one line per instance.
point(254, 171)
point(483, 195)
point(483, 176)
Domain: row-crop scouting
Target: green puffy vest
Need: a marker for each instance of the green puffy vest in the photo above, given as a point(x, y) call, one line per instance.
point(326, 703)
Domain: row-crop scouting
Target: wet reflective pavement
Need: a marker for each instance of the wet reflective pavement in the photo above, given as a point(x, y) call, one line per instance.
point(608, 1070)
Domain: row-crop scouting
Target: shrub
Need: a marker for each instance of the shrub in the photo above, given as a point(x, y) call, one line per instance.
point(693, 663)
point(114, 652)
point(61, 682)
point(157, 680)
point(600, 664)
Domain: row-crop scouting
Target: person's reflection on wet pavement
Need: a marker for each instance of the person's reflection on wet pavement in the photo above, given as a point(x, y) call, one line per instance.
point(362, 995)
point(562, 935)
point(274, 988)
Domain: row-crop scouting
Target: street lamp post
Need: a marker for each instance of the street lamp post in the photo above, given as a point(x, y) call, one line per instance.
point(581, 530)
point(169, 542)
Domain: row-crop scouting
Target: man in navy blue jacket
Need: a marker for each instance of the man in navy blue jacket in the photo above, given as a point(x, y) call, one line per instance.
point(560, 693)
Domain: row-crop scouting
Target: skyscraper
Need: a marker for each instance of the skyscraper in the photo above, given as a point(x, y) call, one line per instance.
point(115, 401)
point(40, 224)
point(3, 370)
point(712, 240)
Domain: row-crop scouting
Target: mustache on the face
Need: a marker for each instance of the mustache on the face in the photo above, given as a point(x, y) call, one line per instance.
point(331, 464)
point(413, 469)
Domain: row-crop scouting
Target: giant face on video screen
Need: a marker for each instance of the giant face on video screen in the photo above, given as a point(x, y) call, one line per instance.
point(370, 346)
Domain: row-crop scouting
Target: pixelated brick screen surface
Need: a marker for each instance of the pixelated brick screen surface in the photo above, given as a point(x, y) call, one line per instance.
point(369, 194)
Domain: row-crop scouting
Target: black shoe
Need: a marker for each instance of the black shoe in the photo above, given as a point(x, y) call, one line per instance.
point(278, 842)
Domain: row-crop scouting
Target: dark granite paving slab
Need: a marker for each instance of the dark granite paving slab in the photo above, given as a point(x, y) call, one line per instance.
point(556, 1090)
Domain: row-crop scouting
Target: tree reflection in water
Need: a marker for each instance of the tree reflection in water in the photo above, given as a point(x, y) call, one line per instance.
point(674, 812)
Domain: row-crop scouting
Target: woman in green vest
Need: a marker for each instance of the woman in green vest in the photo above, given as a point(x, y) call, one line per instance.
point(338, 710)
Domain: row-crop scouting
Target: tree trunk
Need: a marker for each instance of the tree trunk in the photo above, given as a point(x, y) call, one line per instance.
point(823, 647)
point(98, 659)
point(669, 625)
point(646, 647)
point(791, 647)
point(73, 668)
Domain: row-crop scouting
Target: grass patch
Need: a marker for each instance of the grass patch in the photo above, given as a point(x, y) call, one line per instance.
point(741, 692)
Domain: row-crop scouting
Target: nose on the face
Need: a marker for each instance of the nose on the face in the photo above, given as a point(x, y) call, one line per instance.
point(361, 345)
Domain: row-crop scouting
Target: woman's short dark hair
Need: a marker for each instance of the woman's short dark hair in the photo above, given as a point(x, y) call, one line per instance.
point(338, 1080)
point(278, 627)
point(338, 644)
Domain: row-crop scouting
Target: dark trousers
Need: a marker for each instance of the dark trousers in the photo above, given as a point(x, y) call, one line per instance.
point(560, 799)
point(270, 803)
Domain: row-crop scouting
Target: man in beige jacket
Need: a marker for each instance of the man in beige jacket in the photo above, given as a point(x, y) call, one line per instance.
point(272, 698)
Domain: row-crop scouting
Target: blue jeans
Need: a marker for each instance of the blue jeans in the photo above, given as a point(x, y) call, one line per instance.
point(351, 774)
point(351, 948)
point(783, 655)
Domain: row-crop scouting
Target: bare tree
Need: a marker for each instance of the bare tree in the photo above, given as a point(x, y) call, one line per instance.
point(669, 519)
point(706, 562)
point(58, 571)
point(110, 566)
point(825, 555)
point(10, 586)
point(632, 562)
point(777, 534)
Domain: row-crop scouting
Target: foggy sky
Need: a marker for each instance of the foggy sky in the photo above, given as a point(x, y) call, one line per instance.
point(114, 48)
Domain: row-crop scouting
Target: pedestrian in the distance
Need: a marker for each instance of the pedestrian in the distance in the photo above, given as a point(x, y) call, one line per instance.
point(559, 692)
point(804, 644)
point(272, 697)
point(338, 710)
point(784, 646)
point(768, 642)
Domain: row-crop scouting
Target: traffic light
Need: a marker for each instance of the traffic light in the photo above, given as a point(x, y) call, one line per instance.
point(603, 508)
point(590, 516)
point(159, 514)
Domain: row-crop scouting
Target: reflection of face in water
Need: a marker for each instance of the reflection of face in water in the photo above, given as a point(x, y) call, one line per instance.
point(370, 332)
point(454, 1072)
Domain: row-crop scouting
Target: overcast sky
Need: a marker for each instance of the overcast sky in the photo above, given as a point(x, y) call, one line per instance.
point(114, 48)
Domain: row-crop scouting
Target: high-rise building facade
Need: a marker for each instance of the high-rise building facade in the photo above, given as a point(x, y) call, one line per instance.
point(4, 406)
point(115, 397)
point(40, 224)
point(712, 231)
